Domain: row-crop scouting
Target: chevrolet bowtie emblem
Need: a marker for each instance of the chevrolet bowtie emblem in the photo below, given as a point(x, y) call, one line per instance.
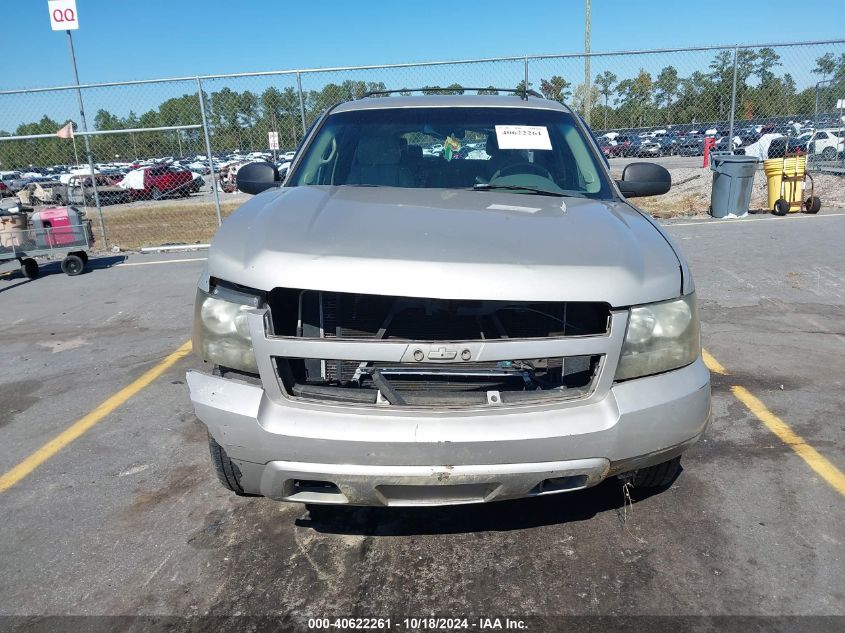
point(442, 354)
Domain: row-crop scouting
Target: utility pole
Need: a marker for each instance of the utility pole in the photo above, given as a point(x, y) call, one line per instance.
point(587, 94)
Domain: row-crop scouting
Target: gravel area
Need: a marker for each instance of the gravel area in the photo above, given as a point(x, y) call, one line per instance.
point(690, 193)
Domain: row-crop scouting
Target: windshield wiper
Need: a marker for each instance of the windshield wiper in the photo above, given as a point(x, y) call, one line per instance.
point(540, 192)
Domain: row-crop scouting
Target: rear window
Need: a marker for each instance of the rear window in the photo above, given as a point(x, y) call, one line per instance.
point(453, 148)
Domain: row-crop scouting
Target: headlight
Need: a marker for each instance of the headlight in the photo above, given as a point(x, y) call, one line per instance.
point(221, 332)
point(660, 337)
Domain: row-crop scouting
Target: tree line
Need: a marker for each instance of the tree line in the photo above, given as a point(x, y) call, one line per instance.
point(241, 120)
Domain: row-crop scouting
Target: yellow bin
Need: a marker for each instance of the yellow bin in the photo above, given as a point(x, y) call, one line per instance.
point(788, 174)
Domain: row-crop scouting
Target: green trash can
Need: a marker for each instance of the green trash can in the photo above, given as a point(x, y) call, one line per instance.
point(733, 178)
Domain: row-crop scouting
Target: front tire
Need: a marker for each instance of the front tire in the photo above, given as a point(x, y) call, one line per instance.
point(829, 153)
point(227, 472)
point(657, 476)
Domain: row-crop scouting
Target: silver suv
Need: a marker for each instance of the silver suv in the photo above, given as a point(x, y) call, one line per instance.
point(397, 326)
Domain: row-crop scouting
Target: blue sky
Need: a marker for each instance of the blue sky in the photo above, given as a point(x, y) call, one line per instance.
point(142, 39)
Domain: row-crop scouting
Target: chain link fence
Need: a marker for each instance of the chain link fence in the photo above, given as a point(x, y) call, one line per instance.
point(165, 151)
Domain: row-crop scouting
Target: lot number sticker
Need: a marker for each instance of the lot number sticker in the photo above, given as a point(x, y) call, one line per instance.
point(523, 137)
point(63, 15)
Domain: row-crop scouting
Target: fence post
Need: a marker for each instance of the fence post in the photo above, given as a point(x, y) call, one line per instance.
point(816, 106)
point(526, 75)
point(211, 174)
point(587, 100)
point(733, 105)
point(301, 102)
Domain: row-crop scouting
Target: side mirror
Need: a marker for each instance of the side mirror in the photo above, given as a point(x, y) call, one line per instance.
point(644, 179)
point(256, 177)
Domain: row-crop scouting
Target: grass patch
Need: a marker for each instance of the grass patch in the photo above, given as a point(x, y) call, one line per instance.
point(170, 222)
point(686, 204)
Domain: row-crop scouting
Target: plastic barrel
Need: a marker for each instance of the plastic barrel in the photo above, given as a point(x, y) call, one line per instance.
point(733, 179)
point(793, 189)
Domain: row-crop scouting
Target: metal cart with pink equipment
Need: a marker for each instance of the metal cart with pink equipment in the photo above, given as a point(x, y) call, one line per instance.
point(51, 232)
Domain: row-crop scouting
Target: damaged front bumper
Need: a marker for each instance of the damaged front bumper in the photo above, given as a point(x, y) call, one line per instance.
point(316, 452)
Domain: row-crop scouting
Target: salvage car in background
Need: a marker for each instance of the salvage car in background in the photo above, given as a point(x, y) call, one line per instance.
point(156, 182)
point(609, 148)
point(827, 143)
point(629, 144)
point(80, 190)
point(49, 192)
point(12, 181)
point(650, 148)
point(397, 328)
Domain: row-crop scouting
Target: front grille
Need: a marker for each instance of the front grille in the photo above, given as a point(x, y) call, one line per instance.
point(346, 315)
point(332, 316)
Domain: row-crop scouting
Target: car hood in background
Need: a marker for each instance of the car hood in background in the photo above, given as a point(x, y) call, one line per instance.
point(446, 243)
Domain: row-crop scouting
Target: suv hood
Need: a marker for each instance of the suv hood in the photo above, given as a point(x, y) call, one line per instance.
point(447, 244)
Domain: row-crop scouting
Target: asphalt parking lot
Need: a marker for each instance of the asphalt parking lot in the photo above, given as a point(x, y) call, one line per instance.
point(128, 518)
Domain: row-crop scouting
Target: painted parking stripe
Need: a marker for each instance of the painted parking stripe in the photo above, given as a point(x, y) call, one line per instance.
point(81, 426)
point(163, 261)
point(738, 221)
point(712, 364)
point(815, 460)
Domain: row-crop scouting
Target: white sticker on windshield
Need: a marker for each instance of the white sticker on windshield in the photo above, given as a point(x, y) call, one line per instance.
point(523, 137)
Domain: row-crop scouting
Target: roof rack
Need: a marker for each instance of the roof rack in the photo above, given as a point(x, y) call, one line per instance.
point(522, 92)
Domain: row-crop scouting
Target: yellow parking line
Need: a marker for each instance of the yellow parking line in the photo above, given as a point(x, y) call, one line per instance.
point(815, 460)
point(712, 364)
point(827, 471)
point(78, 428)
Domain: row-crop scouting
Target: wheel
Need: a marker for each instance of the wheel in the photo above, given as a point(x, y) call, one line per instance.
point(813, 204)
point(781, 207)
point(29, 268)
point(81, 255)
point(829, 153)
point(155, 193)
point(72, 265)
point(227, 472)
point(59, 199)
point(657, 476)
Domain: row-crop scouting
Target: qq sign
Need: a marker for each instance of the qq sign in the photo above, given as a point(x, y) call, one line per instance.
point(63, 16)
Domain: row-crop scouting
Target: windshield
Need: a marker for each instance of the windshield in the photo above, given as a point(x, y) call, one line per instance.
point(519, 150)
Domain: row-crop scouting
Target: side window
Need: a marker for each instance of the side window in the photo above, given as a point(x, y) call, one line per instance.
point(822, 136)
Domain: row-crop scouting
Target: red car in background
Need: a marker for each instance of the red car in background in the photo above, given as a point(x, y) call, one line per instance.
point(157, 182)
point(609, 148)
